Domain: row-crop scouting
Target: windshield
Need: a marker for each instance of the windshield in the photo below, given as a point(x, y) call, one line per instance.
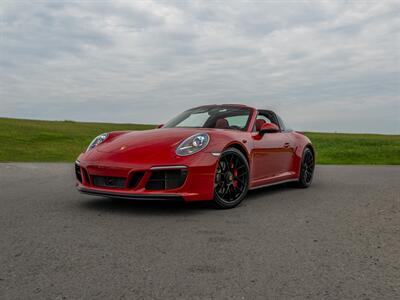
point(222, 117)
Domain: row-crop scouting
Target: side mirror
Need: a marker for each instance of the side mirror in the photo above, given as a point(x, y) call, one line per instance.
point(268, 128)
point(160, 126)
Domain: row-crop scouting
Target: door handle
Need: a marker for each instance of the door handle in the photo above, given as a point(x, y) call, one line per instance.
point(286, 145)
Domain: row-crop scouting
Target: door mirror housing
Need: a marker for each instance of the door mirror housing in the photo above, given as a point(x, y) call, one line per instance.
point(160, 126)
point(268, 128)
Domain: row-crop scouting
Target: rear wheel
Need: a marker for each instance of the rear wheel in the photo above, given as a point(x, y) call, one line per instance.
point(307, 169)
point(231, 179)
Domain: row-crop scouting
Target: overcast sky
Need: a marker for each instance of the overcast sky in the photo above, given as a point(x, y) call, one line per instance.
point(323, 66)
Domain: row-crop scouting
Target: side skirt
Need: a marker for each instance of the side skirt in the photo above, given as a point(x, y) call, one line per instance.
point(273, 183)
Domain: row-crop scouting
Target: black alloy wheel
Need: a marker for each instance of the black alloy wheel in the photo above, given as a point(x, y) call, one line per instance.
point(231, 179)
point(307, 169)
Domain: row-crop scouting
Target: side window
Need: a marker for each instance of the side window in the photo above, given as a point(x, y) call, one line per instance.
point(283, 126)
point(237, 121)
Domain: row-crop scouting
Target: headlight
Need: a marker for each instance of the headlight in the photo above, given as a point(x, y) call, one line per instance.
point(97, 141)
point(193, 144)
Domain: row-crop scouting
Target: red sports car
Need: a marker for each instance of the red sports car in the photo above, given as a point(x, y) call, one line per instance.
point(213, 152)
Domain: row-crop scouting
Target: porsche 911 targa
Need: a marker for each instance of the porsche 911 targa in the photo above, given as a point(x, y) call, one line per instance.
point(213, 152)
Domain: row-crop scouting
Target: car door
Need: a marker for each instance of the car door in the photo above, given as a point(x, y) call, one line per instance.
point(272, 154)
point(289, 146)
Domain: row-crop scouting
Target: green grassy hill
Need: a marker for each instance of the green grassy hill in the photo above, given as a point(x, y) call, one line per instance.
point(51, 141)
point(62, 141)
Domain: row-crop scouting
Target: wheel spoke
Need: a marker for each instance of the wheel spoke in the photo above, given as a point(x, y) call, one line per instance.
point(240, 190)
point(238, 179)
point(231, 161)
point(236, 162)
point(226, 164)
point(226, 190)
point(229, 193)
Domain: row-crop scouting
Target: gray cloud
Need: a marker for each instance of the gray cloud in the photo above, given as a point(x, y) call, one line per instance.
point(331, 66)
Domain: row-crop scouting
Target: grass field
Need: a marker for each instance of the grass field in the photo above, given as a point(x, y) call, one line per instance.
point(62, 141)
point(50, 141)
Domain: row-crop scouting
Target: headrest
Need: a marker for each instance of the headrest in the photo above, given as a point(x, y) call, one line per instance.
point(222, 124)
point(259, 123)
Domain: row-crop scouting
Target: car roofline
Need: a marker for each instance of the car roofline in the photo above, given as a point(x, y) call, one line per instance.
point(226, 104)
point(235, 105)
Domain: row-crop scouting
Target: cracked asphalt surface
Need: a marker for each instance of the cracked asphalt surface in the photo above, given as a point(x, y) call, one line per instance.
point(339, 239)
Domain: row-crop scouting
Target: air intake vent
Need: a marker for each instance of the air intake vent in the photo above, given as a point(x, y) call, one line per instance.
point(113, 182)
point(78, 173)
point(135, 179)
point(166, 179)
point(85, 176)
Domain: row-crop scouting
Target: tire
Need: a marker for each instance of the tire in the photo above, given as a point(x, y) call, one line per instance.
point(306, 169)
point(231, 181)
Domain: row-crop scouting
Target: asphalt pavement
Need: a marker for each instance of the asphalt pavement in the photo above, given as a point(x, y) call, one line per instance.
point(339, 239)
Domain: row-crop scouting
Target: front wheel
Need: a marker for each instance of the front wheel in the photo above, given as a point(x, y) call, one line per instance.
point(231, 179)
point(306, 169)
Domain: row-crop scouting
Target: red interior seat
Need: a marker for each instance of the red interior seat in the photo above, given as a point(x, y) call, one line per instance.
point(222, 124)
point(259, 123)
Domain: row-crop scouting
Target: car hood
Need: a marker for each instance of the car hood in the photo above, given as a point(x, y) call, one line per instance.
point(147, 140)
point(137, 149)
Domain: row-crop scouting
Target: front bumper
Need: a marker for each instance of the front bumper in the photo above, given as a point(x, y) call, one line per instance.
point(122, 195)
point(189, 180)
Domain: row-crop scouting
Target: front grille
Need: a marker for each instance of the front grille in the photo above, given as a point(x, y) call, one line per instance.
point(166, 179)
point(78, 173)
point(113, 182)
